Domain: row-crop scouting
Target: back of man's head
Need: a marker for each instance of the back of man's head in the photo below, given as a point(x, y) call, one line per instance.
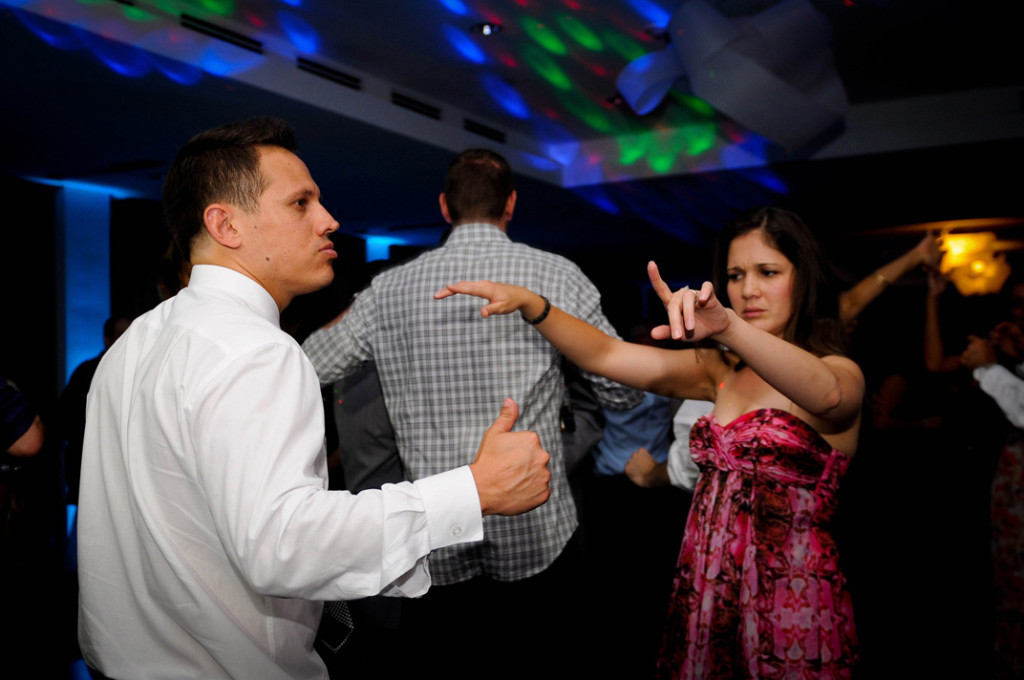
point(477, 186)
point(221, 165)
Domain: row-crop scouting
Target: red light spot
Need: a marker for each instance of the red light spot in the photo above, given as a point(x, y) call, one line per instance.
point(509, 60)
point(256, 21)
point(599, 70)
point(572, 4)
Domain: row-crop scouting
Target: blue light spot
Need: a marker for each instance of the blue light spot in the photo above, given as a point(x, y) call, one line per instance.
point(564, 152)
point(127, 60)
point(377, 247)
point(299, 32)
point(599, 198)
point(753, 151)
point(506, 95)
point(53, 33)
point(293, 3)
point(651, 11)
point(551, 133)
point(540, 162)
point(456, 6)
point(768, 179)
point(112, 191)
point(222, 59)
point(463, 45)
point(177, 71)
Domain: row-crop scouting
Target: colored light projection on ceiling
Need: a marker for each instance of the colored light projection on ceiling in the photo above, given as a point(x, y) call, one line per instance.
point(551, 69)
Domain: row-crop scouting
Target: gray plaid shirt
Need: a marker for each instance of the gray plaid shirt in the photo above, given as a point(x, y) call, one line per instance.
point(445, 370)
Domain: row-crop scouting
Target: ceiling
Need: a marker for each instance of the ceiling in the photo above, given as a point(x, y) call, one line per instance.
point(934, 88)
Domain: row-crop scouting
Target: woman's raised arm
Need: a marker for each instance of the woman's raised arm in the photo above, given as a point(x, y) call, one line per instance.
point(831, 388)
point(677, 373)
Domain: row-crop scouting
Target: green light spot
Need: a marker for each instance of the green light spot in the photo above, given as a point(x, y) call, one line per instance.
point(544, 36)
point(580, 33)
point(632, 148)
point(221, 7)
point(695, 104)
point(136, 14)
point(698, 138)
point(546, 67)
point(587, 111)
point(627, 48)
point(664, 151)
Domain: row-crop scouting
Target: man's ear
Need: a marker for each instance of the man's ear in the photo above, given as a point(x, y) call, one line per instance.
point(217, 218)
point(510, 206)
point(443, 201)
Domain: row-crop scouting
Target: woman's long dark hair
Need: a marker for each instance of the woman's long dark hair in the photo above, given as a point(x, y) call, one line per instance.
point(814, 323)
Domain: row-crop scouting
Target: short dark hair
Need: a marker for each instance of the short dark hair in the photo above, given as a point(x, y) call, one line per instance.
point(219, 165)
point(477, 186)
point(814, 323)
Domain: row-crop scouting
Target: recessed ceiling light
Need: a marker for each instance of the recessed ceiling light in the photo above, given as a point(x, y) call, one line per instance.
point(486, 28)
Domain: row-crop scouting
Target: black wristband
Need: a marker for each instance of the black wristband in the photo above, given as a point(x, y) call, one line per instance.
point(543, 315)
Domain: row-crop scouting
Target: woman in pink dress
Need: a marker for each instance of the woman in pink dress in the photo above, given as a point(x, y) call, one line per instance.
point(758, 589)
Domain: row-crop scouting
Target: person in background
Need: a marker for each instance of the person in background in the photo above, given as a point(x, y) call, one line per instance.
point(71, 406)
point(438, 366)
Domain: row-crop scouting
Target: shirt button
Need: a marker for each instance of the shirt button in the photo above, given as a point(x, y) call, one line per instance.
point(457, 531)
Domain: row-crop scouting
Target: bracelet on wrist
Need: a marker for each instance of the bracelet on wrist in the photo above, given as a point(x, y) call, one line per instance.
point(543, 315)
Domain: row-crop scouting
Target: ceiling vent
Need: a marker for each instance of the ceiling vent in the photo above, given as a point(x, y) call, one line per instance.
point(484, 130)
point(328, 73)
point(422, 108)
point(225, 34)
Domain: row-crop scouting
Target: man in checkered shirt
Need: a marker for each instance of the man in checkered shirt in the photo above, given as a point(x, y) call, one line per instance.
point(445, 370)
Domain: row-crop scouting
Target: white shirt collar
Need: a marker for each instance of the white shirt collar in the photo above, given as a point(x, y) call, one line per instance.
point(214, 278)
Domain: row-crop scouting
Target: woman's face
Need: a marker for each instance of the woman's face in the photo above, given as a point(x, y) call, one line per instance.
point(760, 284)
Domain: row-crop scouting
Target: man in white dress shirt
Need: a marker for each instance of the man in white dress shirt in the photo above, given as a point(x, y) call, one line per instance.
point(207, 536)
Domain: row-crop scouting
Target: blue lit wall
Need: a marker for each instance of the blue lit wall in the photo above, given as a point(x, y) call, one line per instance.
point(83, 217)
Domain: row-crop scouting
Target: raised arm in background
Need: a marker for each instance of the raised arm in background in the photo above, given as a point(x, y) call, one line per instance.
point(935, 358)
point(853, 301)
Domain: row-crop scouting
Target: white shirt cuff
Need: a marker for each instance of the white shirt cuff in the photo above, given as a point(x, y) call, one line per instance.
point(452, 507)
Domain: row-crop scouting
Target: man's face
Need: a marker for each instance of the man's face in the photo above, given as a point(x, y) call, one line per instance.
point(288, 249)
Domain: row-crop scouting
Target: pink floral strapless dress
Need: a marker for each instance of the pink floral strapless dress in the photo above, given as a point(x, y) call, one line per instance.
point(758, 591)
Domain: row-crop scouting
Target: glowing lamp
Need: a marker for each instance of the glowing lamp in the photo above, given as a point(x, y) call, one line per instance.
point(984, 274)
point(962, 249)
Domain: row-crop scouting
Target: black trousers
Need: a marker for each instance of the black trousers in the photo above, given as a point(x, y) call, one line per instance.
point(484, 628)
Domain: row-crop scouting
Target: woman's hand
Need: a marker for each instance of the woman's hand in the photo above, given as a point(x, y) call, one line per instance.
point(503, 298)
point(1008, 338)
point(692, 315)
point(927, 251)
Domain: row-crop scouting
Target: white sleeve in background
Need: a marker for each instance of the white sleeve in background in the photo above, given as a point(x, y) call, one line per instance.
point(682, 471)
point(1005, 388)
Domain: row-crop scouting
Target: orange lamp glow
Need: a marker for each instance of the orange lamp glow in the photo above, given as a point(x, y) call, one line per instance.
point(972, 264)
